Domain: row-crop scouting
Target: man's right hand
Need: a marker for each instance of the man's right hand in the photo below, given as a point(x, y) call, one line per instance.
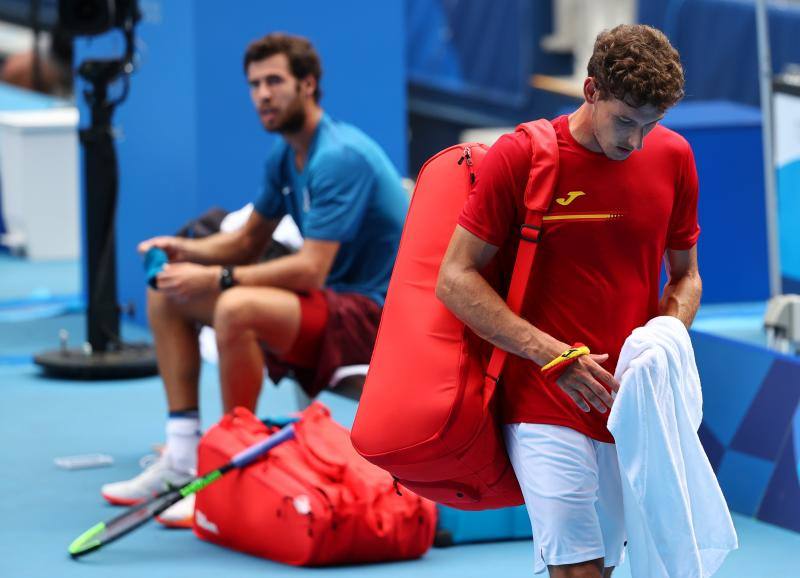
point(174, 247)
point(585, 380)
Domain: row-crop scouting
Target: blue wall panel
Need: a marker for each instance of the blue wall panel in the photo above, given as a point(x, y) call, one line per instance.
point(711, 59)
point(652, 12)
point(158, 144)
point(723, 412)
point(715, 451)
point(726, 140)
point(484, 50)
point(781, 504)
point(764, 429)
point(757, 467)
point(745, 480)
point(796, 439)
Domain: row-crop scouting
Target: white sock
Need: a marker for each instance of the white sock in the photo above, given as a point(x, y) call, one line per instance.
point(183, 435)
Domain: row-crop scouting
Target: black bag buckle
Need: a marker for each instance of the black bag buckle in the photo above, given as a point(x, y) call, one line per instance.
point(530, 233)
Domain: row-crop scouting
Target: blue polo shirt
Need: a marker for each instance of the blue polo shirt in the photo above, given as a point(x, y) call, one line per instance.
point(349, 192)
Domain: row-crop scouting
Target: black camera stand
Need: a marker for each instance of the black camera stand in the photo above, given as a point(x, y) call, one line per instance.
point(104, 355)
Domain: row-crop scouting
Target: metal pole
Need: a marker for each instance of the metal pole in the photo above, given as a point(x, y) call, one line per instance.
point(771, 199)
point(102, 183)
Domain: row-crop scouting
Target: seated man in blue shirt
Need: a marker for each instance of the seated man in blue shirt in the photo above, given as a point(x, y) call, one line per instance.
point(311, 311)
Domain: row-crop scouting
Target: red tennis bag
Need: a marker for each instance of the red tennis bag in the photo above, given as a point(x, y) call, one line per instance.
point(312, 501)
point(427, 411)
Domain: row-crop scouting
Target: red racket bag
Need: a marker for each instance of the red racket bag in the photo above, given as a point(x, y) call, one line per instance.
point(312, 501)
point(427, 411)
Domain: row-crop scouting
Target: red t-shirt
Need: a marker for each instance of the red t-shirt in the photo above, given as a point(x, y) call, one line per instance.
point(596, 274)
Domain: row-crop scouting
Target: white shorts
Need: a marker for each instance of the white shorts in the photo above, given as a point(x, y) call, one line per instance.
point(573, 493)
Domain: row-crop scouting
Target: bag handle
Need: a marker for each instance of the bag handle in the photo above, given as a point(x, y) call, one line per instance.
point(538, 195)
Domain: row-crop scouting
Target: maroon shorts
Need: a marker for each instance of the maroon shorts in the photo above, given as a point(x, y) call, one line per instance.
point(336, 329)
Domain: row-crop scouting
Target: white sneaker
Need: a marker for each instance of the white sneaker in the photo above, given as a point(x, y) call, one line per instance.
point(178, 515)
point(156, 478)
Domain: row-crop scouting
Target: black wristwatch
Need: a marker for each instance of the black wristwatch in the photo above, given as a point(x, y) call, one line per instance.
point(226, 280)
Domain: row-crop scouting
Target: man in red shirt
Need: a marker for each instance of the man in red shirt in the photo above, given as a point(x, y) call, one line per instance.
point(619, 208)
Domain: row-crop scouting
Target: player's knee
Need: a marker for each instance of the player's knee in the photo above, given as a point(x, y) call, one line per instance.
point(233, 314)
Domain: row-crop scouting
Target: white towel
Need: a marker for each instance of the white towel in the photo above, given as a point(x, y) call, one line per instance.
point(676, 518)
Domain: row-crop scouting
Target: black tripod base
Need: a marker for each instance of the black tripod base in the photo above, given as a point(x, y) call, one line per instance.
point(132, 360)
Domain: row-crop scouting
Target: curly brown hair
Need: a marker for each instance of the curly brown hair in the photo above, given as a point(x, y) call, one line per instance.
point(303, 58)
point(636, 63)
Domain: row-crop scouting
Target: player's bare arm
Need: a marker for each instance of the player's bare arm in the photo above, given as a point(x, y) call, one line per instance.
point(244, 245)
point(303, 271)
point(681, 296)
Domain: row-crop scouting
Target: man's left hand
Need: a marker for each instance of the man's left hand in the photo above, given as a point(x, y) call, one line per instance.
point(187, 281)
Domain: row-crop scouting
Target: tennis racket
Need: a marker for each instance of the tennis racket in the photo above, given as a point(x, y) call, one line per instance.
point(105, 532)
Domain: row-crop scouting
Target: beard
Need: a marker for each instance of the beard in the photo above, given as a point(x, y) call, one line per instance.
point(294, 119)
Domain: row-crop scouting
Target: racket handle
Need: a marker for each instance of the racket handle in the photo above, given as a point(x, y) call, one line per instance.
point(246, 456)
